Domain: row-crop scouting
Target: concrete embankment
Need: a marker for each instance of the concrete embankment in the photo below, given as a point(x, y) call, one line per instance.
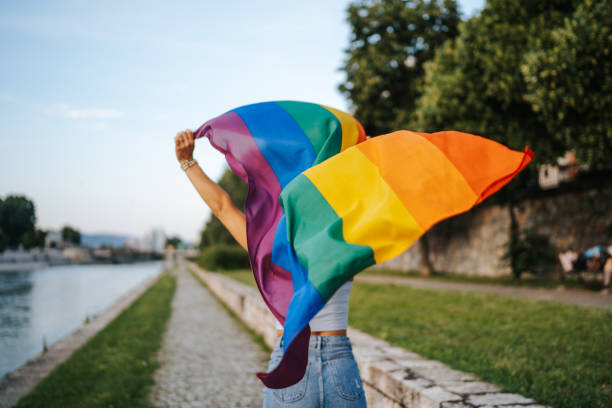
point(392, 377)
point(21, 381)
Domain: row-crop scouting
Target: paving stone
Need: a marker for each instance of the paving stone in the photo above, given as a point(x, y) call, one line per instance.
point(498, 399)
point(455, 405)
point(471, 387)
point(439, 395)
point(205, 352)
point(525, 406)
point(436, 371)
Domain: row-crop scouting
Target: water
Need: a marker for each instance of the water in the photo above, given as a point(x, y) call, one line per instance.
point(50, 302)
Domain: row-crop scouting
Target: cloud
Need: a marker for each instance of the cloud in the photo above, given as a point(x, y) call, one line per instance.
point(71, 112)
point(7, 97)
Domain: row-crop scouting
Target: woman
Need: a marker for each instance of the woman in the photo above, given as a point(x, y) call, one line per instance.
point(332, 378)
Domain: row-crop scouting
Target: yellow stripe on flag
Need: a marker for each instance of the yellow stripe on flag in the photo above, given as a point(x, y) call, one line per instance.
point(349, 128)
point(371, 212)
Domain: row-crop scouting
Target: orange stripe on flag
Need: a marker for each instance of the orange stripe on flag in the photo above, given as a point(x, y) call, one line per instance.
point(426, 182)
point(479, 158)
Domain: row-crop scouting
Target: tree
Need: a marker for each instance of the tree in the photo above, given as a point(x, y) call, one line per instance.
point(17, 217)
point(475, 84)
point(71, 235)
point(569, 83)
point(390, 42)
point(35, 238)
point(174, 241)
point(214, 232)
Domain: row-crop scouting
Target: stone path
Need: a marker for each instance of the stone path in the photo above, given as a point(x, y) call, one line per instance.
point(570, 296)
point(207, 359)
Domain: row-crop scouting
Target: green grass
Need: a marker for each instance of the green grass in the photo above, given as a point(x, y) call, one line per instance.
point(243, 276)
point(246, 277)
point(114, 368)
point(560, 355)
point(572, 281)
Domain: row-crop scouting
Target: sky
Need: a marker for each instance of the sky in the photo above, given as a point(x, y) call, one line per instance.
point(93, 93)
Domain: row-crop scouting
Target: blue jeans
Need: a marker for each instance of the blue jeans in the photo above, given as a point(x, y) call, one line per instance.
point(332, 378)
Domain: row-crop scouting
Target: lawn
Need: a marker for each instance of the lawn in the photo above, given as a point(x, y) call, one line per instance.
point(115, 368)
point(550, 282)
point(560, 355)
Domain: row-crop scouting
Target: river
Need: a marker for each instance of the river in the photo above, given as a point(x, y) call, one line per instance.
point(45, 304)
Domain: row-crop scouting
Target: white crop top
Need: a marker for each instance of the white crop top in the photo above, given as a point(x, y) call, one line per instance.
point(334, 315)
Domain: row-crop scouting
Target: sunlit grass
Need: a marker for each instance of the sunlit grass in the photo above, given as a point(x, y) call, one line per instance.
point(558, 354)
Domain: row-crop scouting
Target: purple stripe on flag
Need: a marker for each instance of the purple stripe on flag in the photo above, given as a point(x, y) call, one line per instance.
point(229, 134)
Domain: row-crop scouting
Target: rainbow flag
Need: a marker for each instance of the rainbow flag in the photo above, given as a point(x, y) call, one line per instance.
point(267, 145)
point(356, 205)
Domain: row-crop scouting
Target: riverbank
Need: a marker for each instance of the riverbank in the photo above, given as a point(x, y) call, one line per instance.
point(20, 382)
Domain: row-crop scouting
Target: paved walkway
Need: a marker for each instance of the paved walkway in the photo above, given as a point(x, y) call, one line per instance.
point(207, 359)
point(570, 296)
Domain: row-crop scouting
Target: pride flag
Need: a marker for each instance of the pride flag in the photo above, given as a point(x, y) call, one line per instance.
point(358, 204)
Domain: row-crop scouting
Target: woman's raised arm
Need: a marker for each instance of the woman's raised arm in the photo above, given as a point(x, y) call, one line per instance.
point(217, 199)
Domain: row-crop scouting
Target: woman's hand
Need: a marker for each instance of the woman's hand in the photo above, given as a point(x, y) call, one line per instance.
point(183, 142)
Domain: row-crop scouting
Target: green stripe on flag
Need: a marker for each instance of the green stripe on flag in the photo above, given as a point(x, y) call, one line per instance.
point(318, 124)
point(315, 231)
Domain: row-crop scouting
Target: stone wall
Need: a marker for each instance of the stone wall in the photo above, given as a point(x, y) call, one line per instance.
point(392, 377)
point(473, 243)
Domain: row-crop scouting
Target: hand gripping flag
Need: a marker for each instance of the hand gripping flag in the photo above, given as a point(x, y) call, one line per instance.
point(317, 214)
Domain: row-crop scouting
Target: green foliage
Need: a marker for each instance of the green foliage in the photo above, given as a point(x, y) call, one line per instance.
point(35, 238)
point(558, 354)
point(569, 83)
point(530, 252)
point(174, 241)
point(390, 42)
point(475, 83)
point(224, 257)
point(17, 218)
point(71, 235)
point(215, 232)
point(115, 368)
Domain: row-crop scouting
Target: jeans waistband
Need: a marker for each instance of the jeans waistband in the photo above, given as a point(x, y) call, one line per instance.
point(320, 342)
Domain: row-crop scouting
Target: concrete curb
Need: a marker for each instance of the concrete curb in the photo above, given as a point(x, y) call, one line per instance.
point(392, 377)
point(21, 381)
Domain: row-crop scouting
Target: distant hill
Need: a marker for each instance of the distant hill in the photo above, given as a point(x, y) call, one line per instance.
point(98, 240)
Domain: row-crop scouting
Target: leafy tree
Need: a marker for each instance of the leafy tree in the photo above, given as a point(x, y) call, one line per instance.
point(390, 42)
point(215, 232)
point(569, 83)
point(35, 238)
point(475, 83)
point(71, 235)
point(17, 217)
point(174, 241)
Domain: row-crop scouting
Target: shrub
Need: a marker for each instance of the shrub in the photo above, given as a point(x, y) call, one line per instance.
point(224, 257)
point(532, 252)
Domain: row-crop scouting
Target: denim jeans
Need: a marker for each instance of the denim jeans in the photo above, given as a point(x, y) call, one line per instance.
point(332, 378)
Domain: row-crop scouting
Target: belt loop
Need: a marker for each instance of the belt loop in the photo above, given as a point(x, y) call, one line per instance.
point(319, 340)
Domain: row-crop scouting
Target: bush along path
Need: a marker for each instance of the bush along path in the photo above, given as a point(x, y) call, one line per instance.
point(207, 359)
